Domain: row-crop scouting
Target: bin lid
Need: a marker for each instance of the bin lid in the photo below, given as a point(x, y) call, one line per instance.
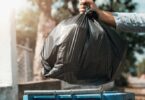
point(97, 89)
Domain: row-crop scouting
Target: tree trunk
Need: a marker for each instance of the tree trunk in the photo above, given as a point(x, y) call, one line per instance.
point(45, 25)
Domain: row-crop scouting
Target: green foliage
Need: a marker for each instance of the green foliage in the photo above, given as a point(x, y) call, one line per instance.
point(119, 6)
point(141, 68)
point(69, 8)
point(61, 14)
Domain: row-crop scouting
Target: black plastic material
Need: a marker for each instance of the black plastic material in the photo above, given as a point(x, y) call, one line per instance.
point(82, 50)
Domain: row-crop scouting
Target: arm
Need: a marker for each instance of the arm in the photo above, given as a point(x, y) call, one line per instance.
point(106, 17)
point(129, 22)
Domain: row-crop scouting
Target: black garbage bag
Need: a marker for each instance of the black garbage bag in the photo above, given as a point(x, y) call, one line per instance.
point(82, 50)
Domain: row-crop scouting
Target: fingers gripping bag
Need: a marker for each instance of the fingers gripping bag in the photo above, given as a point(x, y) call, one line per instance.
point(82, 50)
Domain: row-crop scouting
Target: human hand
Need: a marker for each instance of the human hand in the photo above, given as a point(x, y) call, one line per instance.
point(83, 3)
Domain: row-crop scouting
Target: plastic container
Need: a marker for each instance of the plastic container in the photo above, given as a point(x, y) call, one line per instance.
point(71, 95)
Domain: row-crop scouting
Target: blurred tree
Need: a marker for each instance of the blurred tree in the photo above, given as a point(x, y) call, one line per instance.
point(26, 26)
point(45, 25)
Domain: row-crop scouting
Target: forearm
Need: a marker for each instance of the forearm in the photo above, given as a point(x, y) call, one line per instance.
point(106, 17)
point(128, 22)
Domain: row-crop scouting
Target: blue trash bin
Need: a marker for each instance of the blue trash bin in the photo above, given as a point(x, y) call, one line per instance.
point(51, 95)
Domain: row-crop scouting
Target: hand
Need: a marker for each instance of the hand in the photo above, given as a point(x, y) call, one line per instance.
point(104, 16)
point(91, 3)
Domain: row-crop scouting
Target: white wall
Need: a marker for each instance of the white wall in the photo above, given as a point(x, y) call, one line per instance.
point(8, 66)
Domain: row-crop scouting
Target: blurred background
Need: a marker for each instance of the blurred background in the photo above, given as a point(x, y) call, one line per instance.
point(36, 18)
